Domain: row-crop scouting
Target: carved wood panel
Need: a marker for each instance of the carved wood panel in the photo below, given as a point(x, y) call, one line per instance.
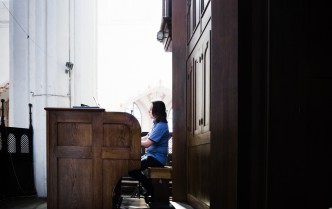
point(88, 151)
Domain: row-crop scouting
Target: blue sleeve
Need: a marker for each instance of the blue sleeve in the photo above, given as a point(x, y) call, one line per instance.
point(157, 132)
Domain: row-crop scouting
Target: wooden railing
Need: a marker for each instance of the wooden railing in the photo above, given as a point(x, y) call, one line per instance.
point(16, 159)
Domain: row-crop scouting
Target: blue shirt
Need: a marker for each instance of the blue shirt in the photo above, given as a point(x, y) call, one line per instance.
point(159, 134)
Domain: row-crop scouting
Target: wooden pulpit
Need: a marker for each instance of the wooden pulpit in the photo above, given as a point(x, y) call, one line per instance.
point(88, 151)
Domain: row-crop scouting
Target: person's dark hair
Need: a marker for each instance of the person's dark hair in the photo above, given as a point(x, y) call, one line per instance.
point(159, 111)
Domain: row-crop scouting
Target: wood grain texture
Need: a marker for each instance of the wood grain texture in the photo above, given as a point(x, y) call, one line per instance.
point(88, 151)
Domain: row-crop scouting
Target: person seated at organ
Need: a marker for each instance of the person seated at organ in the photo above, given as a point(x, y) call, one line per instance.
point(156, 144)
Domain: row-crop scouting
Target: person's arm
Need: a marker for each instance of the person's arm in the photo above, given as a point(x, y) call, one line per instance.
point(146, 142)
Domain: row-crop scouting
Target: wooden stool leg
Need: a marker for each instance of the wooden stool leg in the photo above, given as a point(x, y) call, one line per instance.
point(160, 190)
point(160, 178)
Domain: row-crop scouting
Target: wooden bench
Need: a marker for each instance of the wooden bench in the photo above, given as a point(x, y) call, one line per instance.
point(160, 177)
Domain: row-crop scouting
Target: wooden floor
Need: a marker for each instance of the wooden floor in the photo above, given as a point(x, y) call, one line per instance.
point(128, 202)
point(40, 203)
point(31, 202)
point(129, 196)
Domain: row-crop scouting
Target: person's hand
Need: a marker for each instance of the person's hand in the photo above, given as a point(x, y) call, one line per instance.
point(146, 142)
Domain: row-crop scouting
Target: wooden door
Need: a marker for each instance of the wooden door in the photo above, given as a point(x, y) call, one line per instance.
point(198, 103)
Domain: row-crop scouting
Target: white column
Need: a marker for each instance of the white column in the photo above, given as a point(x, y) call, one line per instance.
point(38, 71)
point(4, 43)
point(44, 36)
point(19, 79)
point(85, 47)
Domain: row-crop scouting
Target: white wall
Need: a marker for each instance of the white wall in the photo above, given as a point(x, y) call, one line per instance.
point(46, 34)
point(43, 37)
point(4, 43)
point(4, 54)
point(130, 58)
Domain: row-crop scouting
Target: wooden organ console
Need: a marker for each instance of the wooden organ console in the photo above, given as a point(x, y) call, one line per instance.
point(88, 151)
